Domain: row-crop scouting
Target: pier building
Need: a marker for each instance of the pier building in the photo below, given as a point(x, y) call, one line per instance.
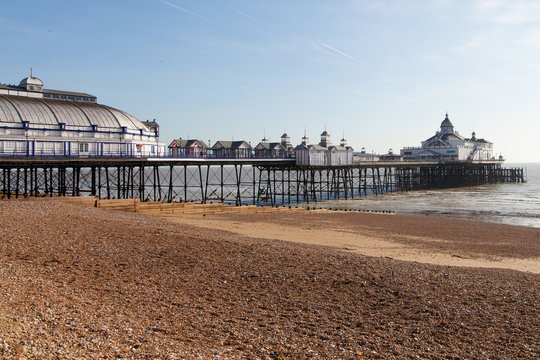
point(324, 153)
point(283, 149)
point(390, 156)
point(364, 156)
point(448, 145)
point(188, 148)
point(40, 122)
point(231, 149)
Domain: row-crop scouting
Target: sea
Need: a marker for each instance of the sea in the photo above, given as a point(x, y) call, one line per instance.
point(514, 204)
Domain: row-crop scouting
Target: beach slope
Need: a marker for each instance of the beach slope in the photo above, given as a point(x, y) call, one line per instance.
point(86, 282)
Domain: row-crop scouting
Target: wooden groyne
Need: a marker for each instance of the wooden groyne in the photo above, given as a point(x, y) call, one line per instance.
point(192, 208)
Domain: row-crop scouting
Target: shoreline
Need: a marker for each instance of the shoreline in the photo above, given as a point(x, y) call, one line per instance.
point(423, 245)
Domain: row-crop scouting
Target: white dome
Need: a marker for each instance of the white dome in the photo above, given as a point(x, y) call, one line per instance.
point(31, 83)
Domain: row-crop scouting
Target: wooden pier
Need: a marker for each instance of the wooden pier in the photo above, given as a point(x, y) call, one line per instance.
point(237, 181)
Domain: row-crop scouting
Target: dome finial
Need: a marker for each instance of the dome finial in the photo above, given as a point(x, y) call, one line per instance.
point(31, 72)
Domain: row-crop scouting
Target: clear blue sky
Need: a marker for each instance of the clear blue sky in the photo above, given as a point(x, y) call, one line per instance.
point(383, 72)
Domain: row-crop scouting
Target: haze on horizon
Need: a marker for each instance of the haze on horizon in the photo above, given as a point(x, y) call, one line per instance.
point(383, 73)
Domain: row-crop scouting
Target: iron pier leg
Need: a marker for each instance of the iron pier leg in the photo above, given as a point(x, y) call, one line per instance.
point(254, 178)
point(78, 188)
point(51, 189)
point(31, 174)
point(185, 183)
point(142, 182)
point(25, 182)
point(99, 182)
point(171, 169)
point(4, 171)
point(201, 184)
point(108, 183)
point(8, 183)
point(159, 183)
point(282, 186)
point(46, 183)
point(289, 186)
point(221, 184)
point(206, 183)
point(155, 183)
point(297, 186)
point(93, 190)
point(17, 186)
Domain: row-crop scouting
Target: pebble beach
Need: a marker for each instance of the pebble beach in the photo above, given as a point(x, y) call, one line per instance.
point(79, 282)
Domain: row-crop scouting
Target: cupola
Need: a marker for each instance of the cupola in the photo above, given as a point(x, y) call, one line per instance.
point(285, 139)
point(446, 126)
point(31, 84)
point(325, 139)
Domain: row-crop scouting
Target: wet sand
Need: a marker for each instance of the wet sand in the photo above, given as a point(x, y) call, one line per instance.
point(92, 283)
point(430, 240)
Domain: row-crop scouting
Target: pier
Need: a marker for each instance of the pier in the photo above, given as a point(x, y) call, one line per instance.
point(237, 181)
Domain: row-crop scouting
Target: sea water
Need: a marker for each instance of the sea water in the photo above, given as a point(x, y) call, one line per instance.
point(514, 204)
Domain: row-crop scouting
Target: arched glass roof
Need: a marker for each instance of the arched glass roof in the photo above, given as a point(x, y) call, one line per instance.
point(42, 111)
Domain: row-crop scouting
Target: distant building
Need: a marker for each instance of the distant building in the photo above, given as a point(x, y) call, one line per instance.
point(391, 156)
point(363, 156)
point(449, 145)
point(283, 149)
point(324, 154)
point(232, 149)
point(39, 122)
point(188, 148)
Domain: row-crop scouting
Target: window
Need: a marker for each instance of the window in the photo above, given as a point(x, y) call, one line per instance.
point(83, 147)
point(139, 148)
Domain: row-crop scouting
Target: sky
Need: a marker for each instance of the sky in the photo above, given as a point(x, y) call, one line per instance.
point(382, 73)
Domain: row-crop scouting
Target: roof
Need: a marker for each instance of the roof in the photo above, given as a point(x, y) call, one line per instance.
point(46, 92)
point(184, 143)
point(337, 148)
point(453, 136)
point(31, 81)
point(45, 111)
point(446, 122)
point(316, 147)
point(62, 92)
point(364, 154)
point(262, 146)
point(483, 141)
point(231, 145)
point(269, 146)
point(440, 138)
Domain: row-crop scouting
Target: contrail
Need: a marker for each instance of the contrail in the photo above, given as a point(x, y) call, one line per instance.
point(339, 52)
point(186, 10)
point(242, 13)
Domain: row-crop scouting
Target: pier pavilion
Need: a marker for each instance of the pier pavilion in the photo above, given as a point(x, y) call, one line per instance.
point(448, 145)
point(324, 153)
point(39, 122)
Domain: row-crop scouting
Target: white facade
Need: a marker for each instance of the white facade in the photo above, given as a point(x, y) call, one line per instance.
point(449, 145)
point(37, 122)
point(363, 156)
point(324, 154)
